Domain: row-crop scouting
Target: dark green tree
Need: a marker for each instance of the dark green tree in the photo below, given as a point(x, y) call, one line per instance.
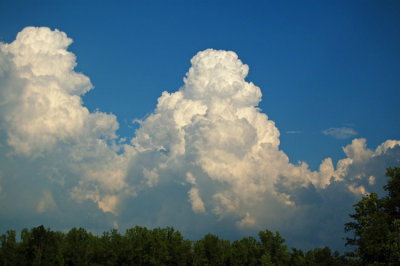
point(297, 258)
point(160, 246)
point(25, 249)
point(376, 224)
point(274, 252)
point(40, 246)
point(211, 250)
point(9, 248)
point(178, 249)
point(245, 251)
point(323, 256)
point(165, 246)
point(137, 241)
point(76, 247)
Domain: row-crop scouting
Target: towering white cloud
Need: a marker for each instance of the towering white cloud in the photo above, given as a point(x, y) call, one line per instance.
point(208, 142)
point(212, 126)
point(42, 117)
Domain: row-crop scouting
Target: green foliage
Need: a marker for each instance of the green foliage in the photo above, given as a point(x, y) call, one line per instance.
point(44, 246)
point(156, 247)
point(376, 224)
point(76, 247)
point(272, 248)
point(211, 250)
point(245, 251)
point(297, 257)
point(160, 246)
point(9, 248)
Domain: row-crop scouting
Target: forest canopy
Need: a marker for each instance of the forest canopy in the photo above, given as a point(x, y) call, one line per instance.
point(159, 246)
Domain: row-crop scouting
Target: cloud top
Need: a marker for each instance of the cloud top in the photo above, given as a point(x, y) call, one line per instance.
point(220, 74)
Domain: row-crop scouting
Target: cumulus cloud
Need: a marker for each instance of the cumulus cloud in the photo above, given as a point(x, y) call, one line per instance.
point(46, 203)
point(43, 119)
point(196, 201)
point(247, 221)
point(340, 132)
point(213, 125)
point(206, 149)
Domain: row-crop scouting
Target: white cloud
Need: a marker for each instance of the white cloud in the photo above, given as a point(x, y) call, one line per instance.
point(190, 179)
point(340, 132)
point(196, 201)
point(46, 203)
point(234, 150)
point(43, 119)
point(247, 221)
point(151, 176)
point(294, 132)
point(206, 146)
point(358, 190)
point(109, 204)
point(371, 180)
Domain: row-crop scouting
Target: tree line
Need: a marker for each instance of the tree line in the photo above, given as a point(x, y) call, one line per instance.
point(375, 235)
point(159, 246)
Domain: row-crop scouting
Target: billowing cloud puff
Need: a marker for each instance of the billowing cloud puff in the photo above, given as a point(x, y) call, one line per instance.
point(42, 117)
point(207, 155)
point(211, 134)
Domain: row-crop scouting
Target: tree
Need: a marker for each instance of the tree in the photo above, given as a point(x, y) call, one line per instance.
point(273, 249)
point(376, 224)
point(75, 247)
point(178, 248)
point(245, 251)
point(9, 248)
point(46, 246)
point(211, 250)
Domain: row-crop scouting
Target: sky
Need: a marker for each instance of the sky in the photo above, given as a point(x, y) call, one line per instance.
point(228, 117)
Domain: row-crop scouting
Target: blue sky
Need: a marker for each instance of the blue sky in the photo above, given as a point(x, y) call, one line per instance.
point(321, 66)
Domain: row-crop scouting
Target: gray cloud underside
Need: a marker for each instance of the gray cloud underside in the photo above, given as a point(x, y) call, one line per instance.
point(206, 159)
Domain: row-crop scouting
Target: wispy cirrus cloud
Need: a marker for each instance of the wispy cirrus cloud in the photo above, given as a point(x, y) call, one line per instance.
point(340, 132)
point(294, 132)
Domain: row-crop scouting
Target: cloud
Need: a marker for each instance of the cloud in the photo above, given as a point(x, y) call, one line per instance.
point(46, 203)
point(233, 148)
point(340, 132)
point(206, 149)
point(196, 201)
point(43, 119)
point(294, 132)
point(247, 221)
